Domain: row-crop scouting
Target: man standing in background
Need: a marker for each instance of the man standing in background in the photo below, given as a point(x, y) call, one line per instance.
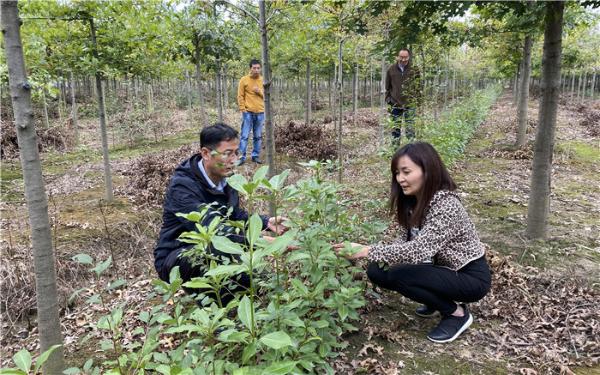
point(403, 94)
point(252, 105)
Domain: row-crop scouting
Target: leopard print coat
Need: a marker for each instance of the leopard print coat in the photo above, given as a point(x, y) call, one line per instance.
point(447, 237)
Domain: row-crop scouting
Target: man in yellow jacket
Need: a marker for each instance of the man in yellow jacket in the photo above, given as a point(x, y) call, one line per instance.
point(252, 105)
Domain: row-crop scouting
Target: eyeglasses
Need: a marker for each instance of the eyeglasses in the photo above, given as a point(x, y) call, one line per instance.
point(229, 154)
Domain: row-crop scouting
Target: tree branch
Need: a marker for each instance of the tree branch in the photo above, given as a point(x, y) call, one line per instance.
point(244, 11)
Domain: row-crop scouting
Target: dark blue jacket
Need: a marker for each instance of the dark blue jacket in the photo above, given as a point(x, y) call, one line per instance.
point(187, 192)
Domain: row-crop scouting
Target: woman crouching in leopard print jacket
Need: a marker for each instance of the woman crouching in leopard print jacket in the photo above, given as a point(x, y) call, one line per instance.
point(438, 259)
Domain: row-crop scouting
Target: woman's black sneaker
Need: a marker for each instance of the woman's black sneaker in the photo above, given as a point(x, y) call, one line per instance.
point(425, 311)
point(450, 327)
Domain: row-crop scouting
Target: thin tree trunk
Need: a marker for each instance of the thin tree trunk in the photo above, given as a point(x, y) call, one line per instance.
point(516, 85)
point(383, 116)
point(219, 93)
point(524, 93)
point(201, 101)
point(592, 93)
point(150, 97)
point(74, 120)
point(224, 88)
point(102, 117)
point(270, 139)
point(307, 113)
point(539, 196)
point(341, 108)
point(582, 97)
point(355, 91)
point(371, 83)
point(188, 90)
point(35, 194)
point(45, 106)
point(572, 85)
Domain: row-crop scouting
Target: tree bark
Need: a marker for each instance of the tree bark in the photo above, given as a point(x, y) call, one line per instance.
point(74, 120)
point(384, 117)
point(307, 112)
point(35, 193)
point(270, 139)
point(539, 196)
point(524, 93)
point(219, 93)
point(102, 117)
point(201, 101)
point(45, 107)
point(341, 108)
point(355, 90)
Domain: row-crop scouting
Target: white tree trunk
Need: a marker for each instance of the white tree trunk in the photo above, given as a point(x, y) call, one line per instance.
point(35, 193)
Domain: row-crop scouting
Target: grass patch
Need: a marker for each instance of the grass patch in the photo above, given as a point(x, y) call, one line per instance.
point(580, 152)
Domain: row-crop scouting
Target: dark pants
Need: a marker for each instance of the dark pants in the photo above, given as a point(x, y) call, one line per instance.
point(188, 271)
point(402, 116)
point(434, 286)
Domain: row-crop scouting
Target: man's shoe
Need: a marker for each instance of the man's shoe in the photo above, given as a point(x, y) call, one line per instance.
point(450, 327)
point(257, 161)
point(425, 312)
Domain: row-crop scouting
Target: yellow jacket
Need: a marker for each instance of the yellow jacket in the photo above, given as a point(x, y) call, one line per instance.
point(248, 99)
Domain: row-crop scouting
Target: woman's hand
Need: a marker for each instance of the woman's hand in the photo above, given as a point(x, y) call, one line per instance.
point(277, 226)
point(359, 250)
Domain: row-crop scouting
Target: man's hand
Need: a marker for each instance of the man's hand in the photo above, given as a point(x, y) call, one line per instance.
point(256, 90)
point(359, 250)
point(277, 226)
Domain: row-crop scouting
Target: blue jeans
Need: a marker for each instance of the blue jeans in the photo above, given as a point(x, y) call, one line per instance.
point(404, 116)
point(251, 121)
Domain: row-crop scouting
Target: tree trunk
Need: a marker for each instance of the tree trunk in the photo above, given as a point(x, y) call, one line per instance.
point(150, 97)
point(102, 117)
point(224, 88)
point(219, 93)
point(45, 106)
point(384, 116)
point(355, 91)
point(341, 108)
point(371, 84)
point(35, 193)
point(74, 120)
point(307, 113)
point(592, 93)
point(201, 102)
point(516, 85)
point(539, 196)
point(524, 93)
point(188, 90)
point(572, 85)
point(270, 139)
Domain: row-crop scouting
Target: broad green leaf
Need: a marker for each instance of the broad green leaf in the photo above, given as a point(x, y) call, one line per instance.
point(226, 245)
point(245, 312)
point(249, 352)
point(254, 228)
point(237, 181)
point(102, 266)
point(278, 180)
point(281, 242)
point(298, 255)
point(69, 371)
point(83, 259)
point(22, 360)
point(44, 357)
point(293, 322)
point(227, 270)
point(320, 324)
point(280, 368)
point(116, 284)
point(277, 340)
point(11, 371)
point(260, 173)
point(197, 284)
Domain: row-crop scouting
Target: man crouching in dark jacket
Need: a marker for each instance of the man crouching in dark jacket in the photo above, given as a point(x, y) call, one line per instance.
point(197, 182)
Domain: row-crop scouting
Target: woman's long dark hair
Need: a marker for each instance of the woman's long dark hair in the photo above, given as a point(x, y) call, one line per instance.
point(409, 210)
